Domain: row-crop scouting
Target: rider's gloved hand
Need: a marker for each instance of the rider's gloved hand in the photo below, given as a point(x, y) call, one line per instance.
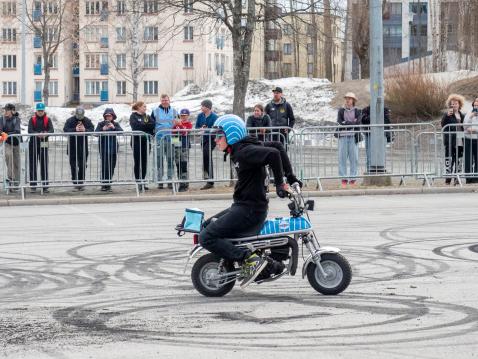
point(291, 179)
point(282, 190)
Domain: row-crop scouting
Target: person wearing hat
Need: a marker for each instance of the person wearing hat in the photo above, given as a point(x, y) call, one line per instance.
point(281, 114)
point(140, 121)
point(10, 125)
point(205, 120)
point(108, 147)
point(38, 146)
point(182, 144)
point(349, 137)
point(78, 145)
point(164, 116)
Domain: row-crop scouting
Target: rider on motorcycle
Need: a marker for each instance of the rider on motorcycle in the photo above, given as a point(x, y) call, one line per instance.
point(248, 212)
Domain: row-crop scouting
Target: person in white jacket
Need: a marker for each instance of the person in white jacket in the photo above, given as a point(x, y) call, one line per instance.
point(470, 149)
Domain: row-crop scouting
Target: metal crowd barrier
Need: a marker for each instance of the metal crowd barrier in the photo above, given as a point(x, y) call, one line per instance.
point(105, 159)
point(458, 151)
point(180, 157)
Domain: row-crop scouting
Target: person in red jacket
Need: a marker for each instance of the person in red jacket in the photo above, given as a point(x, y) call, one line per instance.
point(38, 146)
point(182, 143)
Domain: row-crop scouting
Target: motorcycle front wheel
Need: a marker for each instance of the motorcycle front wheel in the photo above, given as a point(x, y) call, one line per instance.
point(338, 270)
point(204, 273)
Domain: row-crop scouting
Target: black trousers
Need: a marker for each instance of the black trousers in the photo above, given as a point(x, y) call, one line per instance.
point(237, 221)
point(207, 162)
point(108, 164)
point(140, 156)
point(470, 157)
point(282, 136)
point(453, 156)
point(37, 153)
point(78, 161)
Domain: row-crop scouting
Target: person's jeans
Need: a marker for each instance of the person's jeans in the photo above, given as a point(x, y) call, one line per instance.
point(165, 157)
point(207, 160)
point(348, 151)
point(235, 222)
point(12, 158)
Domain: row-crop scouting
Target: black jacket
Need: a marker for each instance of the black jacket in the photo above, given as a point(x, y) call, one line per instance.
point(449, 133)
point(11, 126)
point(365, 120)
point(252, 122)
point(143, 123)
point(250, 157)
point(281, 114)
point(108, 144)
point(40, 126)
point(77, 144)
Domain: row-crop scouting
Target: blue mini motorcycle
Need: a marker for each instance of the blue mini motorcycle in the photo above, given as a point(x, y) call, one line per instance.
point(327, 270)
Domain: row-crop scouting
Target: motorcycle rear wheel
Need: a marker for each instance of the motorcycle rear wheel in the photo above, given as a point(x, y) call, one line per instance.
point(339, 274)
point(202, 271)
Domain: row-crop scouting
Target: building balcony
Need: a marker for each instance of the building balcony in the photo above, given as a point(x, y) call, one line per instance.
point(273, 34)
point(76, 71)
point(273, 55)
point(37, 43)
point(104, 42)
point(37, 96)
point(37, 69)
point(36, 15)
point(104, 69)
point(104, 95)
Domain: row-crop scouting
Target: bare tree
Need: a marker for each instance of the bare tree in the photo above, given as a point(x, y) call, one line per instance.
point(329, 38)
point(50, 21)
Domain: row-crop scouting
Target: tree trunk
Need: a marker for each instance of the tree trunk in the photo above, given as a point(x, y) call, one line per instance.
point(328, 46)
point(46, 81)
point(135, 48)
point(313, 36)
point(348, 42)
point(364, 67)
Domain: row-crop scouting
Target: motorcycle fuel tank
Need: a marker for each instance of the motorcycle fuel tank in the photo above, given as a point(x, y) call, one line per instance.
point(285, 225)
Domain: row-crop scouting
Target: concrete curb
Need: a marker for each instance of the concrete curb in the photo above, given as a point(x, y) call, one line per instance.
point(222, 196)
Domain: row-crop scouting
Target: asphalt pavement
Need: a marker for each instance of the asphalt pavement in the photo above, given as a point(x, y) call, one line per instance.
point(107, 281)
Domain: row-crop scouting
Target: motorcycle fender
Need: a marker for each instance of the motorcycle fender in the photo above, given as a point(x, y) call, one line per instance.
point(191, 254)
point(322, 250)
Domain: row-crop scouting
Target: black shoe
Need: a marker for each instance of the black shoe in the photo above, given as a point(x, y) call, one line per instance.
point(207, 186)
point(104, 188)
point(455, 182)
point(160, 186)
point(182, 188)
point(79, 188)
point(448, 181)
point(33, 190)
point(145, 188)
point(46, 190)
point(109, 189)
point(170, 186)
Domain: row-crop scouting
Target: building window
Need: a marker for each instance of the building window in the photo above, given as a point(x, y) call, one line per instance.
point(188, 61)
point(9, 88)
point(396, 9)
point(287, 70)
point(287, 49)
point(151, 6)
point(52, 87)
point(310, 69)
point(188, 33)
point(150, 87)
point(9, 62)
point(38, 59)
point(392, 30)
point(9, 35)
point(121, 7)
point(52, 33)
point(96, 7)
point(287, 29)
point(150, 61)
point(121, 34)
point(9, 8)
point(95, 33)
point(120, 61)
point(93, 87)
point(188, 6)
point(121, 88)
point(310, 49)
point(150, 33)
point(418, 8)
point(92, 61)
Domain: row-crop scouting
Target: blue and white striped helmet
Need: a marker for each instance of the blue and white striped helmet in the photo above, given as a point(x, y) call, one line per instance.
point(233, 127)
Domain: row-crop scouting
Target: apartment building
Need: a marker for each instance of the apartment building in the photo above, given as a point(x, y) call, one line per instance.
point(285, 48)
point(148, 53)
point(11, 56)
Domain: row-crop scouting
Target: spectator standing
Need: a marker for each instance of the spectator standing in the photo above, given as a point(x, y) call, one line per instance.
point(258, 119)
point(10, 125)
point(182, 144)
point(470, 149)
point(38, 146)
point(140, 121)
point(349, 137)
point(206, 120)
point(164, 116)
point(281, 115)
point(365, 120)
point(451, 124)
point(78, 145)
point(108, 147)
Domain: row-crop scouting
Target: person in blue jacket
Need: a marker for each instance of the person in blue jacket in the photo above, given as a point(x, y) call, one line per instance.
point(108, 147)
point(164, 116)
point(206, 120)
